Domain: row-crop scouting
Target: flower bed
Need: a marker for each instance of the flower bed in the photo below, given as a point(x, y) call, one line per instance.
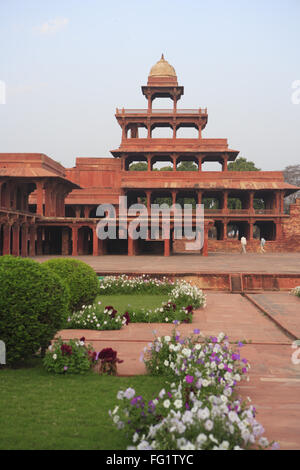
point(181, 299)
point(296, 291)
point(200, 410)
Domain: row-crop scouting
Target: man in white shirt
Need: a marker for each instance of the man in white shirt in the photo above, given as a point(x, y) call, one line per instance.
point(243, 244)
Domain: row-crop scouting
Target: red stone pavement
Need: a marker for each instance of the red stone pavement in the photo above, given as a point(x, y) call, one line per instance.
point(213, 263)
point(274, 385)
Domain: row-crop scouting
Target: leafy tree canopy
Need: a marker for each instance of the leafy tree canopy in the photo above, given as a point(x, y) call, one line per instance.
point(242, 164)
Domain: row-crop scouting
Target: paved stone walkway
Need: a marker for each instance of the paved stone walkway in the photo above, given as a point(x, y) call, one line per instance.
point(214, 263)
point(274, 386)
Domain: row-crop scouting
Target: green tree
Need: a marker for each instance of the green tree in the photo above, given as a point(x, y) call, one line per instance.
point(187, 166)
point(139, 166)
point(242, 164)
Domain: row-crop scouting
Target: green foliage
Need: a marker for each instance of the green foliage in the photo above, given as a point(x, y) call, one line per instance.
point(33, 306)
point(80, 278)
point(72, 357)
point(139, 166)
point(242, 164)
point(187, 166)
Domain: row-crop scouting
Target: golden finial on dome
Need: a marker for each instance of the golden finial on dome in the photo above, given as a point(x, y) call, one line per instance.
point(162, 68)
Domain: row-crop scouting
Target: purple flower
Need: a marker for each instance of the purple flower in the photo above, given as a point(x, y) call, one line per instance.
point(65, 368)
point(196, 331)
point(240, 344)
point(244, 361)
point(189, 379)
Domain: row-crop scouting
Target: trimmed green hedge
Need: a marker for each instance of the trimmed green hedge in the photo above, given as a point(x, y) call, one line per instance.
point(33, 306)
point(81, 279)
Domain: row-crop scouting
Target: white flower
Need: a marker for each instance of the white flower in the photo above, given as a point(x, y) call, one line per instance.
point(203, 413)
point(178, 404)
point(208, 425)
point(201, 438)
point(167, 338)
point(167, 404)
point(166, 363)
point(54, 356)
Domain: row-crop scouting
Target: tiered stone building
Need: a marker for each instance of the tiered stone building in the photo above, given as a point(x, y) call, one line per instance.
point(48, 209)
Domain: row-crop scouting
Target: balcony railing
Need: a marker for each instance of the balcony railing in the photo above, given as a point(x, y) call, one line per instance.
point(200, 111)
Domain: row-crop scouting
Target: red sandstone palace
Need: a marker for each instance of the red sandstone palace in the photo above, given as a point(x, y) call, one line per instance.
point(48, 209)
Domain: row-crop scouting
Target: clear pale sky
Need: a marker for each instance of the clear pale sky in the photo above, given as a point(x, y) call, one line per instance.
point(67, 64)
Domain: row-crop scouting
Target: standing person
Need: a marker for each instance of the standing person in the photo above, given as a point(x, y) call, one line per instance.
point(243, 244)
point(262, 245)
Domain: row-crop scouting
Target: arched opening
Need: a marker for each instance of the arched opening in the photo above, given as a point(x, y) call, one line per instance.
point(136, 197)
point(69, 211)
point(136, 163)
point(160, 103)
point(211, 165)
point(119, 246)
point(265, 229)
point(187, 197)
point(161, 197)
point(212, 200)
point(187, 163)
point(136, 131)
point(161, 131)
point(85, 241)
point(187, 131)
point(264, 202)
point(161, 163)
point(237, 229)
point(237, 201)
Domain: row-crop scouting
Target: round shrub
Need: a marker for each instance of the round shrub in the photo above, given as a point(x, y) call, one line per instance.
point(80, 277)
point(33, 306)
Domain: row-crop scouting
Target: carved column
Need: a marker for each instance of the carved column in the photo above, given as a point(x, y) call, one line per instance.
point(95, 242)
point(16, 239)
point(39, 241)
point(32, 235)
point(24, 243)
point(6, 239)
point(74, 240)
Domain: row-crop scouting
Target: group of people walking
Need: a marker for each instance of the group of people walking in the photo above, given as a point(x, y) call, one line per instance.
point(244, 244)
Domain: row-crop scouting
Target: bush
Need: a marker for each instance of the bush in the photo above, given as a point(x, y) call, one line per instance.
point(73, 357)
point(33, 306)
point(81, 279)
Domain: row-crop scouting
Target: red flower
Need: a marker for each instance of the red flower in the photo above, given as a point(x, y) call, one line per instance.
point(66, 349)
point(108, 355)
point(127, 317)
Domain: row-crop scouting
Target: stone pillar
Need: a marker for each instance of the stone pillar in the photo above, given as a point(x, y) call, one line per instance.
point(32, 235)
point(39, 241)
point(224, 166)
point(167, 247)
point(77, 212)
point(199, 194)
point(75, 241)
point(225, 200)
point(6, 239)
point(205, 242)
point(86, 212)
point(149, 162)
point(225, 230)
point(24, 245)
point(16, 240)
point(200, 163)
point(251, 230)
point(251, 201)
point(95, 242)
point(65, 241)
point(174, 195)
point(174, 157)
point(148, 195)
point(174, 131)
point(39, 197)
point(131, 246)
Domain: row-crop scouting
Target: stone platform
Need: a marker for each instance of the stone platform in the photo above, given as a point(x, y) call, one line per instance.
point(274, 385)
point(219, 271)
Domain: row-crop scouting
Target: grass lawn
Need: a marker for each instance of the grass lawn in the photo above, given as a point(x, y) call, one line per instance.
point(43, 411)
point(121, 302)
